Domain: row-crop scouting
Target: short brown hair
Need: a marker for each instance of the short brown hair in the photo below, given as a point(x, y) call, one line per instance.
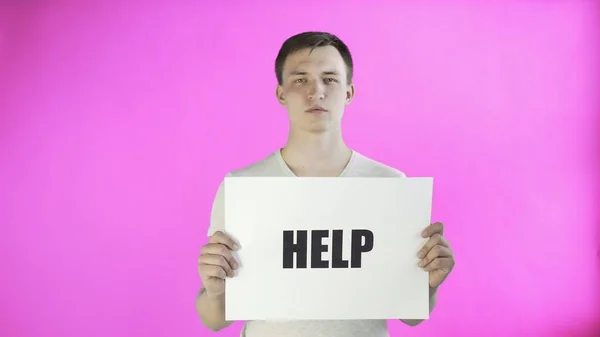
point(312, 40)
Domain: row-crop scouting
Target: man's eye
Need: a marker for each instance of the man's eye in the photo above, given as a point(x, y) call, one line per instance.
point(330, 80)
point(299, 80)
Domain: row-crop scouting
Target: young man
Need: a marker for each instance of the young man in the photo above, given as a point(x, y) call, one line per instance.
point(314, 75)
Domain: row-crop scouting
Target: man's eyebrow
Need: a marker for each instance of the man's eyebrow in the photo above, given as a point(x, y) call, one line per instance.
point(300, 72)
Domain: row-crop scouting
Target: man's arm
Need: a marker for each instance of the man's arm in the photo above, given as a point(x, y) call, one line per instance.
point(437, 259)
point(211, 311)
point(432, 301)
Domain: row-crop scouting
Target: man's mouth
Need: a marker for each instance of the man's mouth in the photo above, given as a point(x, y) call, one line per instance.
point(316, 109)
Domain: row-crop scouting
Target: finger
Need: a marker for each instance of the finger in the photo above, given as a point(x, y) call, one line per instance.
point(224, 239)
point(435, 252)
point(211, 271)
point(216, 260)
point(444, 242)
point(434, 228)
point(434, 240)
point(440, 263)
point(219, 249)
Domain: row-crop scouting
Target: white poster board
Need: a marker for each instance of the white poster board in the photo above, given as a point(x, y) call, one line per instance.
point(359, 239)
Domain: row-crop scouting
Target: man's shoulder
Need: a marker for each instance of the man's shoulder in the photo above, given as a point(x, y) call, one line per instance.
point(361, 165)
point(266, 166)
point(365, 166)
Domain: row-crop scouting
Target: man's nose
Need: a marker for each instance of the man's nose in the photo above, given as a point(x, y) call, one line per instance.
point(316, 91)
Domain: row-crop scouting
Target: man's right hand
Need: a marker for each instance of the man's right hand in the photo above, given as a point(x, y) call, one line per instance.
point(216, 263)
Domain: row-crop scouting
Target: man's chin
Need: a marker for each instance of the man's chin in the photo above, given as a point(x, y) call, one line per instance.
point(321, 128)
point(316, 126)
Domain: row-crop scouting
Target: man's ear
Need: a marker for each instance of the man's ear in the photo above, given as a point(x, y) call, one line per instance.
point(280, 95)
point(350, 92)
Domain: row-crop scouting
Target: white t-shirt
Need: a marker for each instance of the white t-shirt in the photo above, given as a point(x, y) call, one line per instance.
point(274, 166)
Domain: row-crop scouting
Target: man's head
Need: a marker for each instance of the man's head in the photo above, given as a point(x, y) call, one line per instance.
point(314, 71)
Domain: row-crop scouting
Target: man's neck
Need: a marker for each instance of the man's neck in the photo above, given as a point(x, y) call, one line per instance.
point(316, 154)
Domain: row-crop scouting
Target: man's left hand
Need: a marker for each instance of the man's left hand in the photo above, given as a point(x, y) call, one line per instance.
point(436, 256)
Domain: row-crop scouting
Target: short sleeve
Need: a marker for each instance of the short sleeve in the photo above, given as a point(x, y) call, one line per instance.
point(217, 213)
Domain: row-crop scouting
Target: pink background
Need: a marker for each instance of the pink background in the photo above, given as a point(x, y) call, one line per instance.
point(117, 122)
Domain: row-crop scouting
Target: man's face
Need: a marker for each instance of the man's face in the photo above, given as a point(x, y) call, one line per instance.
point(315, 89)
